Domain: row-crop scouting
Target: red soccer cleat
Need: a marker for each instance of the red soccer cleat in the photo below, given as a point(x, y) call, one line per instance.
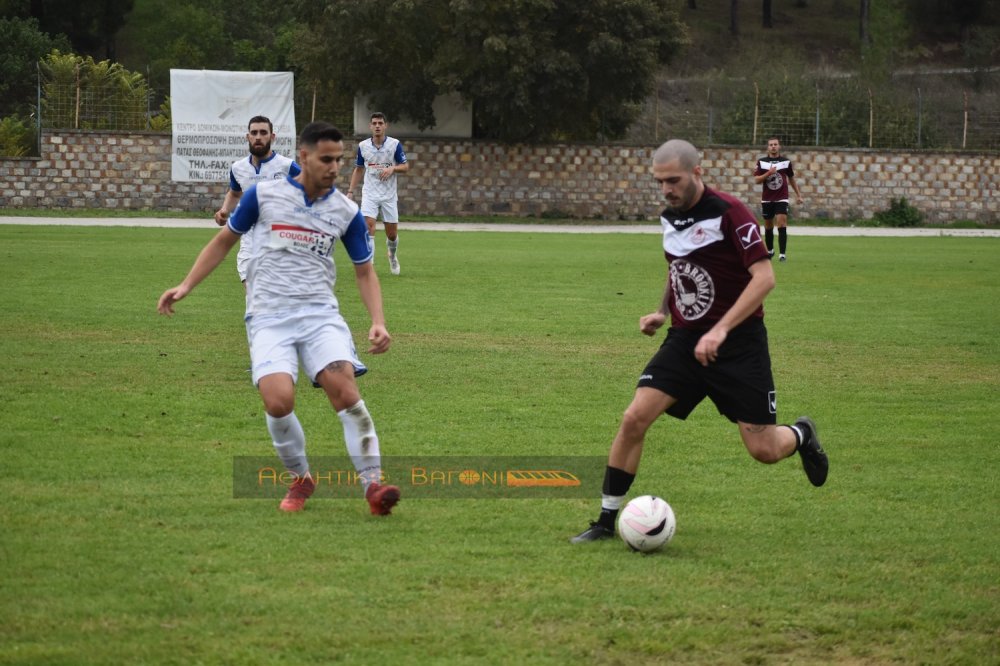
point(298, 493)
point(381, 499)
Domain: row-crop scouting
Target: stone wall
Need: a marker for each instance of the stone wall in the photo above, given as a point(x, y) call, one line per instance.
point(92, 169)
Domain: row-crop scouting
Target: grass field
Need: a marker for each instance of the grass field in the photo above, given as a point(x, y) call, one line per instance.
point(120, 539)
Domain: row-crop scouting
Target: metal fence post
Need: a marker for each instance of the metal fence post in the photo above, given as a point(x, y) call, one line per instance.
point(38, 107)
point(965, 117)
point(711, 115)
point(756, 109)
point(871, 119)
point(920, 118)
point(817, 113)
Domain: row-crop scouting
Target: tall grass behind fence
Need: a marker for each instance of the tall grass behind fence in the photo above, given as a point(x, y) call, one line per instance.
point(944, 111)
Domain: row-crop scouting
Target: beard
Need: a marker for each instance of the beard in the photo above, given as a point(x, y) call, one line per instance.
point(684, 201)
point(261, 151)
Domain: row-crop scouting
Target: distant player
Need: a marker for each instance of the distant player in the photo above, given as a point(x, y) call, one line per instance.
point(774, 174)
point(716, 346)
point(293, 317)
point(380, 158)
point(262, 164)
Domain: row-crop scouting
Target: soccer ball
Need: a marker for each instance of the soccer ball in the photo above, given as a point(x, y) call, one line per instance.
point(646, 523)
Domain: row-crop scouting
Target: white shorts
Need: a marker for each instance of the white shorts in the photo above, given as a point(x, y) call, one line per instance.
point(314, 337)
point(388, 209)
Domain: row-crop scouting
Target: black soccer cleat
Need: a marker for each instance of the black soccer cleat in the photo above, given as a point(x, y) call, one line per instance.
point(595, 532)
point(814, 460)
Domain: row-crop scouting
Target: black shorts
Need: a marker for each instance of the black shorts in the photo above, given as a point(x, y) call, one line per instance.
point(768, 209)
point(739, 382)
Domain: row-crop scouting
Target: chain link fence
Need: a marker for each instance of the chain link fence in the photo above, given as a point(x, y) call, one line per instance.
point(937, 111)
point(944, 111)
point(107, 97)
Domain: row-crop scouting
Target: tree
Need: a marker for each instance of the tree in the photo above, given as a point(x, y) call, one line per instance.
point(532, 69)
point(767, 20)
point(962, 21)
point(864, 33)
point(196, 34)
point(734, 18)
point(22, 45)
point(90, 26)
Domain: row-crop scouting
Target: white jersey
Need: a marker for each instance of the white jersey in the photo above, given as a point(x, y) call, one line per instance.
point(374, 159)
point(243, 173)
point(292, 240)
point(242, 176)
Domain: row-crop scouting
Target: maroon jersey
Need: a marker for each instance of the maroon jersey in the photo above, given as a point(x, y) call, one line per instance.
point(709, 248)
point(775, 186)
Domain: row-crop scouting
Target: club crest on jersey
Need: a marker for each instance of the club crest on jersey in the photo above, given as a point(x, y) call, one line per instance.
point(749, 235)
point(693, 289)
point(775, 181)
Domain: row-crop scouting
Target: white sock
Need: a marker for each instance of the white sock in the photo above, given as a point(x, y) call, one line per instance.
point(799, 436)
point(289, 442)
point(612, 502)
point(362, 442)
point(392, 244)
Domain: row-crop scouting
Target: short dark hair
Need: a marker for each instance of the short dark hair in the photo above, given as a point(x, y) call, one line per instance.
point(377, 114)
point(318, 131)
point(261, 119)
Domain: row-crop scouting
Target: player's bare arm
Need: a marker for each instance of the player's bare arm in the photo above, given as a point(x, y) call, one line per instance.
point(760, 285)
point(371, 295)
point(208, 259)
point(764, 176)
point(355, 177)
point(795, 187)
point(649, 324)
point(395, 168)
point(228, 206)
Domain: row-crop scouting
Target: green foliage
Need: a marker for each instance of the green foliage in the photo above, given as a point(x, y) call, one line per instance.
point(206, 34)
point(900, 214)
point(161, 122)
point(90, 26)
point(163, 34)
point(532, 69)
point(83, 94)
point(17, 137)
point(22, 45)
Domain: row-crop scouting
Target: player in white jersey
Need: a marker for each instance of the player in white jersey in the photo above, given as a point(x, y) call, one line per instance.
point(292, 315)
point(380, 158)
point(262, 164)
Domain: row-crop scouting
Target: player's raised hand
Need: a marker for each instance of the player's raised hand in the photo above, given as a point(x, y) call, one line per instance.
point(221, 217)
point(166, 303)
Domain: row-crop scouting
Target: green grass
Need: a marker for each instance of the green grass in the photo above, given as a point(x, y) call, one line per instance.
point(120, 539)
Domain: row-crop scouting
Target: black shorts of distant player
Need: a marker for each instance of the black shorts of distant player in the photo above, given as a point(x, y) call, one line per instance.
point(739, 382)
point(768, 209)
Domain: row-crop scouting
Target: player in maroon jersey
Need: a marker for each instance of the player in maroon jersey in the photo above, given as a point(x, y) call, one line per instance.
point(774, 174)
point(716, 346)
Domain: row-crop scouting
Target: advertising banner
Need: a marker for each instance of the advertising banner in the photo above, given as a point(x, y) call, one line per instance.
point(210, 111)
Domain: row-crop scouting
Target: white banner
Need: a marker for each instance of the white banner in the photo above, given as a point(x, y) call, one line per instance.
point(210, 111)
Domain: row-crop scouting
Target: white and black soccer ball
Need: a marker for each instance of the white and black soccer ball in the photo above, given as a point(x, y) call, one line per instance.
point(646, 523)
